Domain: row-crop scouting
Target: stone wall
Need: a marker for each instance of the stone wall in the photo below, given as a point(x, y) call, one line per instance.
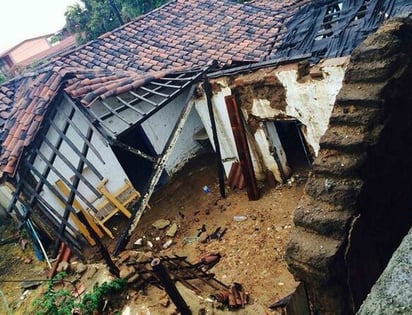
point(356, 206)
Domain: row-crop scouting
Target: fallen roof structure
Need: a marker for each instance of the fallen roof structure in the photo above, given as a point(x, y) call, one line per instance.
point(133, 89)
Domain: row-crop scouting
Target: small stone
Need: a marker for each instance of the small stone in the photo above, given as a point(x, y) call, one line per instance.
point(63, 266)
point(161, 224)
point(139, 242)
point(203, 237)
point(141, 257)
point(126, 272)
point(28, 261)
point(133, 278)
point(171, 232)
point(80, 268)
point(91, 270)
point(165, 302)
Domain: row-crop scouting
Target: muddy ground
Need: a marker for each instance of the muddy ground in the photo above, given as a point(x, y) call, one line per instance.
point(251, 250)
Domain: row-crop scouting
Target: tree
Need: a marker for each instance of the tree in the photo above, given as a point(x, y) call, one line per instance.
point(92, 18)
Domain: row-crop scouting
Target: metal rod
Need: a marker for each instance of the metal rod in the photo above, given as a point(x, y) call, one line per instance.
point(46, 172)
point(115, 113)
point(220, 168)
point(71, 166)
point(166, 281)
point(133, 150)
point(76, 150)
point(74, 187)
point(69, 184)
point(80, 133)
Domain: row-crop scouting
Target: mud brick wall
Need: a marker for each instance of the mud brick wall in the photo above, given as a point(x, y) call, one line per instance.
point(357, 204)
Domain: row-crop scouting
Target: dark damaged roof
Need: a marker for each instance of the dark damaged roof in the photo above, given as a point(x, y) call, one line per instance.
point(26, 107)
point(182, 33)
point(327, 29)
point(187, 33)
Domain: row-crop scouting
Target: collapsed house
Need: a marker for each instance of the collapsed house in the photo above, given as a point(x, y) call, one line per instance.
point(95, 131)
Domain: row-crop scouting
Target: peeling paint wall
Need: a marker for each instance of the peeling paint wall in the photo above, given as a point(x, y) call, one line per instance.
point(224, 130)
point(294, 91)
point(310, 100)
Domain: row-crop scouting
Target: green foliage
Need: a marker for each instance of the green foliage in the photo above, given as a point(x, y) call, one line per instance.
point(2, 78)
point(93, 18)
point(61, 302)
point(55, 39)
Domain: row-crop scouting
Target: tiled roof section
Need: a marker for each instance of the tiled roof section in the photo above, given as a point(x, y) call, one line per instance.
point(187, 33)
point(22, 112)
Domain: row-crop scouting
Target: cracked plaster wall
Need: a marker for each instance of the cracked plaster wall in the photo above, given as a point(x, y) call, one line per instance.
point(270, 94)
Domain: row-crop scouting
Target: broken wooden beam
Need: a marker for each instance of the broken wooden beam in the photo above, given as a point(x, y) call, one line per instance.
point(166, 281)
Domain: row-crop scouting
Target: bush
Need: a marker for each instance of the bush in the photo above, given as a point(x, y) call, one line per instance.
point(61, 302)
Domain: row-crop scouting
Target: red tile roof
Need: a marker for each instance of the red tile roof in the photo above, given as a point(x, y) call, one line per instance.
point(187, 33)
point(23, 112)
point(182, 33)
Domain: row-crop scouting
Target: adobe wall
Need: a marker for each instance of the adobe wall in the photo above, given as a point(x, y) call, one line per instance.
point(356, 206)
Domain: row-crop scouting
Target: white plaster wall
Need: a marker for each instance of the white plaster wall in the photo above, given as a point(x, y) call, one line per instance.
point(159, 127)
point(110, 168)
point(311, 101)
point(224, 130)
point(267, 147)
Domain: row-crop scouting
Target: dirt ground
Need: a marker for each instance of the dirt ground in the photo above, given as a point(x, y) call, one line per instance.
point(251, 250)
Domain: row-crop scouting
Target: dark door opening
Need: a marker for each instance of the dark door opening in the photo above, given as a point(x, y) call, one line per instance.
point(293, 143)
point(137, 168)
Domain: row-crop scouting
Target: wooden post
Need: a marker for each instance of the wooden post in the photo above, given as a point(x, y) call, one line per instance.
point(220, 168)
point(166, 281)
point(242, 147)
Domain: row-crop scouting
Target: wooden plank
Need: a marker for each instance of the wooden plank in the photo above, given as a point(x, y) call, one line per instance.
point(242, 147)
point(69, 184)
point(65, 190)
point(101, 187)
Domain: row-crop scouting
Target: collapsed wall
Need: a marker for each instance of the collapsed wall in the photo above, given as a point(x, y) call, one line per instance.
point(356, 206)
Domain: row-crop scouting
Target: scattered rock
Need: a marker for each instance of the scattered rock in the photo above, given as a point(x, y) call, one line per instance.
point(126, 272)
point(139, 242)
point(63, 266)
point(165, 302)
point(79, 268)
point(26, 285)
point(91, 270)
point(133, 278)
point(203, 237)
point(167, 244)
point(171, 232)
point(27, 260)
point(161, 224)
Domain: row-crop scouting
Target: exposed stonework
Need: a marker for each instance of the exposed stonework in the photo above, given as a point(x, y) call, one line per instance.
point(353, 213)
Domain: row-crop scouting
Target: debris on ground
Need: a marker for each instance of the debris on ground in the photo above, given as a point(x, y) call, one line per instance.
point(234, 297)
